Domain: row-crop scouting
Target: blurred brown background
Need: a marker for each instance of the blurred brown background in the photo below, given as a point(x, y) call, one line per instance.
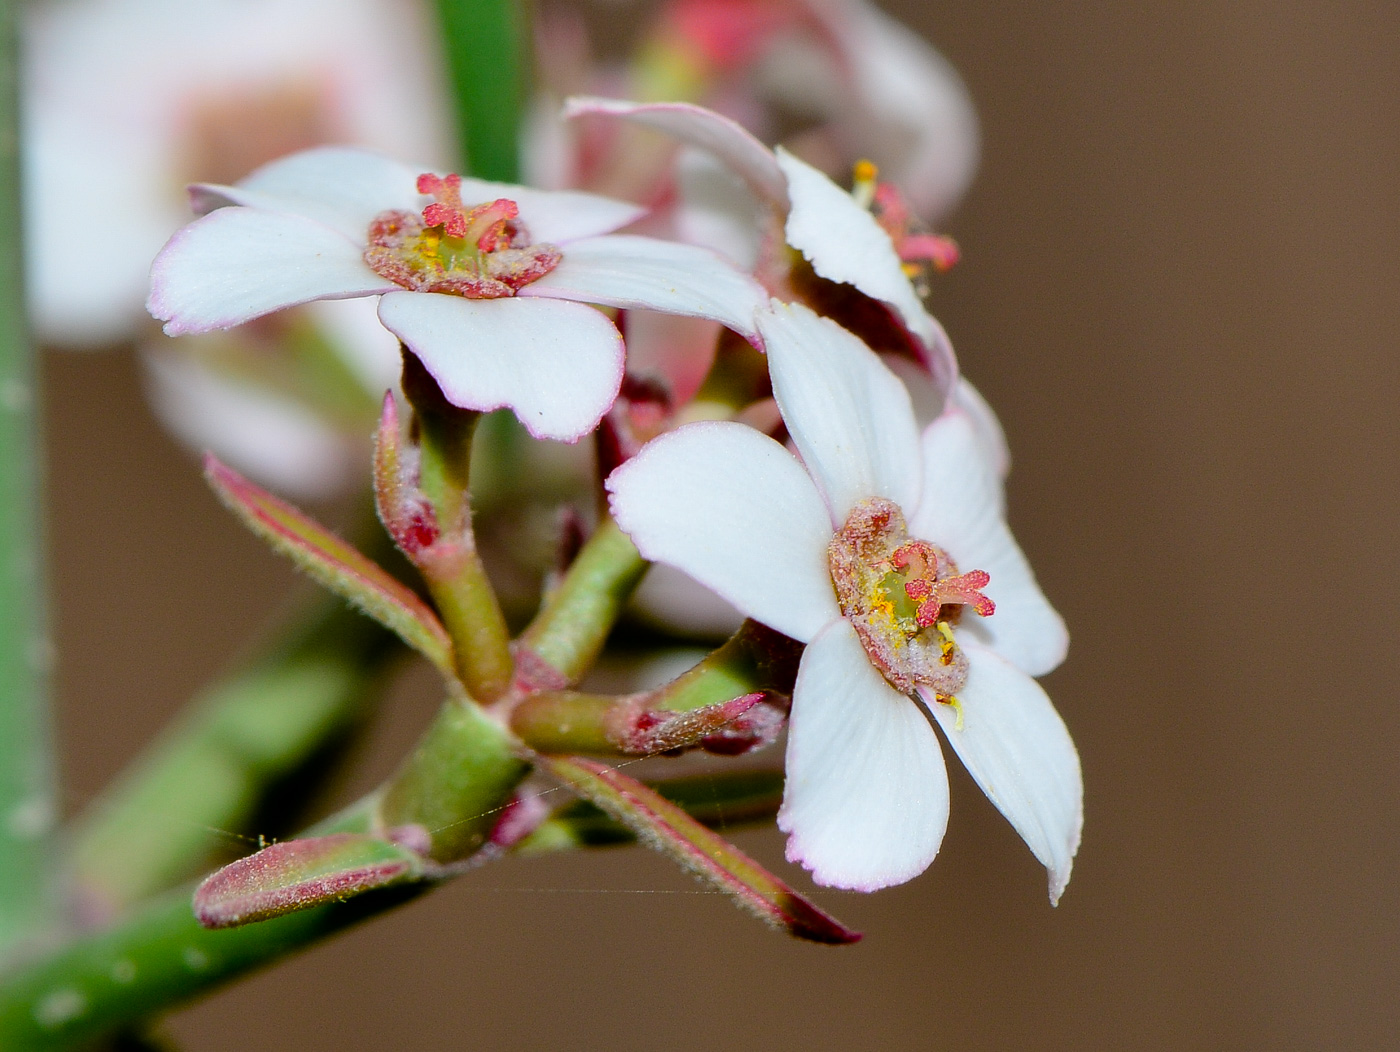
point(1180, 292)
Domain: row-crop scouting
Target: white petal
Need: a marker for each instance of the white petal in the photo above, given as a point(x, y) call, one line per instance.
point(920, 123)
point(745, 155)
point(849, 416)
point(1017, 748)
point(929, 402)
point(557, 216)
point(866, 800)
point(627, 271)
point(961, 512)
point(843, 243)
point(346, 188)
point(733, 509)
point(339, 186)
point(985, 424)
point(240, 263)
point(558, 365)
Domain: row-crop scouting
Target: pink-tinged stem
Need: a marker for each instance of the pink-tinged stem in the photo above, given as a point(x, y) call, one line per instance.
point(662, 825)
point(450, 564)
point(334, 563)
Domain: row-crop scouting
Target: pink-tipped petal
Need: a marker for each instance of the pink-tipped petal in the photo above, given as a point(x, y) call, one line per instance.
point(557, 365)
point(866, 800)
point(849, 416)
point(843, 243)
point(644, 272)
point(746, 156)
point(1015, 745)
point(961, 512)
point(557, 216)
point(339, 186)
point(734, 510)
point(236, 264)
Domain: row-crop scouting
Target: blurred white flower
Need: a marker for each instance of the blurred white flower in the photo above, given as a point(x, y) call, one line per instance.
point(127, 101)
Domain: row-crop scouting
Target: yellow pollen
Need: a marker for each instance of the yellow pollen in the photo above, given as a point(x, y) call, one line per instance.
point(863, 183)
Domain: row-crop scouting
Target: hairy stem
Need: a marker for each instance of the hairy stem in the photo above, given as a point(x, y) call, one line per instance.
point(484, 42)
point(27, 769)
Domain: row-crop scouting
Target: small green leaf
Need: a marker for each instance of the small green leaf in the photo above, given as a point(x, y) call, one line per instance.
point(662, 825)
point(299, 874)
point(334, 563)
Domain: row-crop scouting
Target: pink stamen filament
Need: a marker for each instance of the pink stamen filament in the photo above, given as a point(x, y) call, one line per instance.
point(942, 252)
point(920, 560)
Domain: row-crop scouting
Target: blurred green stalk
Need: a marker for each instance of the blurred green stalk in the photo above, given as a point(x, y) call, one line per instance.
point(27, 778)
point(484, 43)
point(243, 741)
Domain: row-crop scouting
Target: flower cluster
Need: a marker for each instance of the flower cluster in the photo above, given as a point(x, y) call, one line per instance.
point(877, 540)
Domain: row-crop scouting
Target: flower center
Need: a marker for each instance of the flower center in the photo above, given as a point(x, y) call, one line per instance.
point(903, 596)
point(481, 252)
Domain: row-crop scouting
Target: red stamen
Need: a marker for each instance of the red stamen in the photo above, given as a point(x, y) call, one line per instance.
point(446, 210)
point(942, 252)
point(920, 560)
point(967, 588)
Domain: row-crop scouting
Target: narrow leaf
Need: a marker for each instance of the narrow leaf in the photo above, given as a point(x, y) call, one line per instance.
point(299, 874)
point(334, 563)
point(662, 825)
point(720, 799)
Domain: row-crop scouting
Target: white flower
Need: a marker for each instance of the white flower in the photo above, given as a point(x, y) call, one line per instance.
point(485, 283)
point(837, 235)
point(886, 555)
point(905, 105)
point(127, 101)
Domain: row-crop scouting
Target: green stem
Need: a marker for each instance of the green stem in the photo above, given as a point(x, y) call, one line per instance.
point(456, 785)
point(568, 634)
point(27, 769)
point(452, 567)
point(154, 960)
point(215, 770)
point(484, 43)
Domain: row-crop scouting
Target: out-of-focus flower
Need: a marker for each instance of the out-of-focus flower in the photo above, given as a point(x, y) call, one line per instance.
point(128, 101)
point(835, 80)
point(885, 551)
point(486, 283)
point(839, 238)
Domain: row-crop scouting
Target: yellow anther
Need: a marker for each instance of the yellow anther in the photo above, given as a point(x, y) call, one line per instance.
point(946, 631)
point(863, 178)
